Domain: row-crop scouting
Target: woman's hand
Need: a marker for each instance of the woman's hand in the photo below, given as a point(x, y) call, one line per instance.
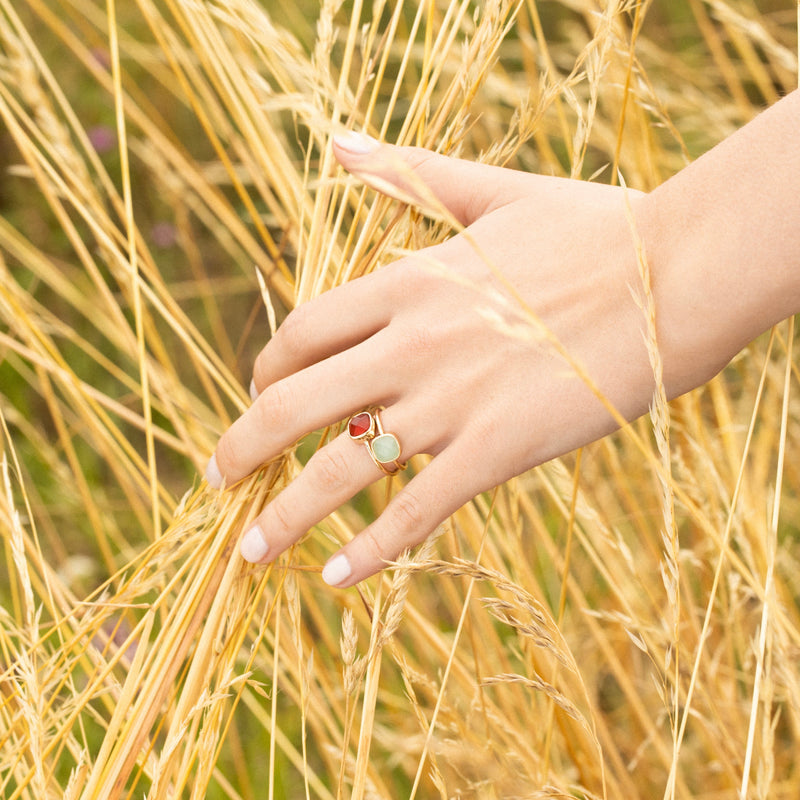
point(451, 352)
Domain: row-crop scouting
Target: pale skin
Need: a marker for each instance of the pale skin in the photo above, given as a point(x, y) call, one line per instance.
point(722, 245)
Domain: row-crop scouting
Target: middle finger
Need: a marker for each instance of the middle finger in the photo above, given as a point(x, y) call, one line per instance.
point(332, 476)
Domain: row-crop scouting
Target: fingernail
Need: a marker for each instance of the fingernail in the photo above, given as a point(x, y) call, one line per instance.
point(359, 144)
point(213, 475)
point(336, 570)
point(253, 390)
point(253, 546)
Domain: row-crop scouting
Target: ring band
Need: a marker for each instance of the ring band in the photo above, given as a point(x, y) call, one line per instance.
point(384, 448)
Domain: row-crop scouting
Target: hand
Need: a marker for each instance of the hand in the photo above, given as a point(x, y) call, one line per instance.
point(444, 345)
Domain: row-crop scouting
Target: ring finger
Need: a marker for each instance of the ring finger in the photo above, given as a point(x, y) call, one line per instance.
point(332, 476)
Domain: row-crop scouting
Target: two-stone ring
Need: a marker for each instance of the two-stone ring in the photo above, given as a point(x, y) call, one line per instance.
point(384, 448)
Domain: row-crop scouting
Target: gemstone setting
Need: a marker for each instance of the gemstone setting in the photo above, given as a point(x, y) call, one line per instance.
point(385, 448)
point(361, 425)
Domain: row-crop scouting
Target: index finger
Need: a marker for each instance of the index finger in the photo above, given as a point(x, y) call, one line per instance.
point(333, 322)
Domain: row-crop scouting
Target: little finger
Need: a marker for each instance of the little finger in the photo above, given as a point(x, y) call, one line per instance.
point(413, 514)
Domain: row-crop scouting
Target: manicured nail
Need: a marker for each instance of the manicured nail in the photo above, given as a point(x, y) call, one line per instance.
point(336, 570)
point(213, 475)
point(253, 390)
point(358, 144)
point(253, 546)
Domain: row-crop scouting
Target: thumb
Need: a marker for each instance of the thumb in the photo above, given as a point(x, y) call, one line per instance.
point(463, 189)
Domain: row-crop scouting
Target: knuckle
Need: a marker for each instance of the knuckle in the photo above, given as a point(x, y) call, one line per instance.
point(420, 274)
point(416, 341)
point(280, 519)
point(292, 334)
point(477, 200)
point(401, 526)
point(486, 428)
point(277, 406)
point(422, 161)
point(409, 275)
point(417, 165)
point(395, 272)
point(407, 516)
point(331, 470)
point(227, 456)
point(378, 548)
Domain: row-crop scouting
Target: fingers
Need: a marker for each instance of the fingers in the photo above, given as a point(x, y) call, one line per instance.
point(413, 514)
point(468, 190)
point(328, 324)
point(332, 476)
point(304, 382)
point(313, 398)
point(336, 355)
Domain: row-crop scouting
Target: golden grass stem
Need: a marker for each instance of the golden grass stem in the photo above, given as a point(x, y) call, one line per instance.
point(446, 674)
point(119, 111)
point(134, 641)
point(770, 598)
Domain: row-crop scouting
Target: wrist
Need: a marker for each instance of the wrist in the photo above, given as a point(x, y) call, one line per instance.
point(722, 240)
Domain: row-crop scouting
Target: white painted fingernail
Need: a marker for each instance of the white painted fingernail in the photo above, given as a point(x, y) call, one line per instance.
point(253, 390)
point(253, 546)
point(336, 570)
point(358, 144)
point(213, 475)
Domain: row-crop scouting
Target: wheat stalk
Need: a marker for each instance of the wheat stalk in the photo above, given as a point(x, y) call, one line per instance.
point(139, 656)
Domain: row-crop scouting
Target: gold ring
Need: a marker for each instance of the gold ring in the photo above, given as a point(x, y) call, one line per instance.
point(384, 448)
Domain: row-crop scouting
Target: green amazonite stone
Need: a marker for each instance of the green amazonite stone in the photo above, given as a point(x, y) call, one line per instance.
point(386, 448)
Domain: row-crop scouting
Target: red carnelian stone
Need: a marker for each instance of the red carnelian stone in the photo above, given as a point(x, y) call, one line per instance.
point(359, 424)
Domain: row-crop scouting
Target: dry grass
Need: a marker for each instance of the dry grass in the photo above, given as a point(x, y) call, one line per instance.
point(621, 623)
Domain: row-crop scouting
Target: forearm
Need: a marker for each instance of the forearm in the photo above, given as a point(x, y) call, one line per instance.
point(723, 241)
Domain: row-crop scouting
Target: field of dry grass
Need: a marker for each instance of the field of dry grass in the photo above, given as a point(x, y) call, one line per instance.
point(620, 623)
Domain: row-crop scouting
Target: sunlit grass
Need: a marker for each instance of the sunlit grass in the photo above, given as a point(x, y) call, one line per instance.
point(620, 623)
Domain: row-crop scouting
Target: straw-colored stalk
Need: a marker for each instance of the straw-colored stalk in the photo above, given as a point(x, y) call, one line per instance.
point(622, 622)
